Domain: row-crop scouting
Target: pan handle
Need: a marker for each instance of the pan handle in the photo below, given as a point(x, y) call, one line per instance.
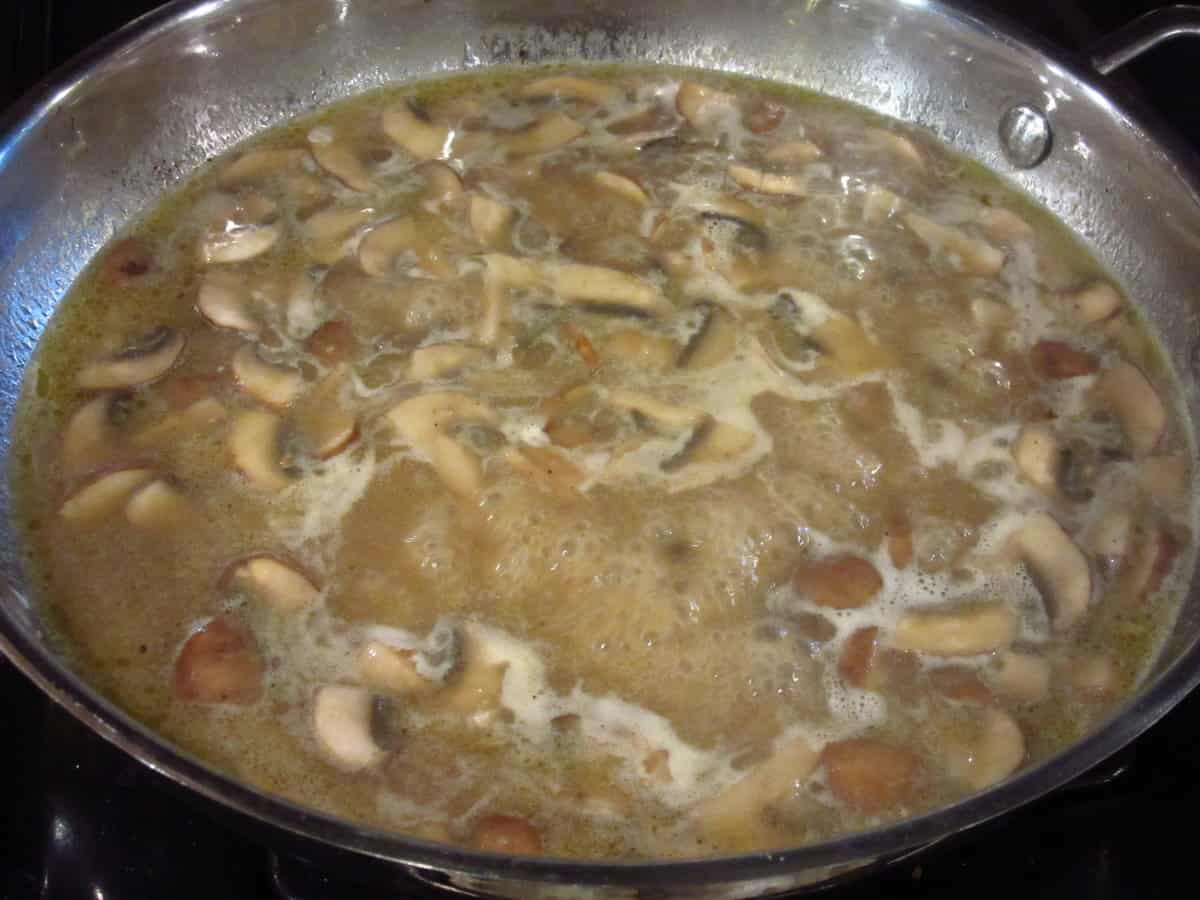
point(1135, 38)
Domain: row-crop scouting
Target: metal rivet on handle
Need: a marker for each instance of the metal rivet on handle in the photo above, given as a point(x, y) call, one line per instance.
point(1025, 135)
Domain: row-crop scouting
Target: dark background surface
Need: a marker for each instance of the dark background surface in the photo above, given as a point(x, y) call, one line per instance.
point(79, 821)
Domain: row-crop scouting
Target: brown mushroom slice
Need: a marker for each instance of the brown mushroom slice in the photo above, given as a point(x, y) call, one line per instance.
point(341, 722)
point(104, 493)
point(837, 582)
point(200, 414)
point(341, 162)
point(649, 351)
point(421, 138)
point(764, 182)
point(262, 163)
point(898, 531)
point(146, 360)
point(158, 505)
point(1093, 303)
point(623, 186)
point(702, 105)
point(327, 231)
point(961, 685)
point(1023, 677)
point(219, 663)
point(599, 286)
point(266, 382)
point(254, 446)
point(1058, 360)
point(546, 465)
point(545, 134)
point(712, 441)
point(238, 244)
point(506, 835)
point(392, 669)
point(1137, 405)
point(490, 220)
point(1039, 457)
point(995, 752)
point(332, 343)
point(896, 144)
point(274, 581)
point(1058, 567)
point(322, 419)
point(963, 253)
point(426, 421)
point(796, 152)
point(880, 204)
point(442, 360)
point(380, 247)
point(90, 435)
point(224, 302)
point(739, 807)
point(858, 651)
point(966, 631)
point(582, 344)
point(571, 87)
point(871, 775)
point(442, 185)
point(713, 343)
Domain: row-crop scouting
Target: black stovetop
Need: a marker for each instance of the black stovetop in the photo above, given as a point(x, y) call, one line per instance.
point(81, 821)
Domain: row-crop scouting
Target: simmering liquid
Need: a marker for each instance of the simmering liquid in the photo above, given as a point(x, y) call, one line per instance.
point(608, 463)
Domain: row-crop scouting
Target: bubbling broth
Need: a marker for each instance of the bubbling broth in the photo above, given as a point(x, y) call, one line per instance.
point(611, 463)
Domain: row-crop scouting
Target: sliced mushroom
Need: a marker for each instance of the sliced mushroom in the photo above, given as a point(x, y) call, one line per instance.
point(997, 750)
point(712, 441)
point(702, 105)
point(90, 435)
point(475, 687)
point(896, 144)
point(1136, 403)
point(224, 301)
point(1039, 457)
point(837, 582)
point(1096, 302)
point(1003, 224)
point(763, 182)
point(571, 87)
point(854, 662)
point(267, 383)
point(545, 134)
point(380, 247)
point(219, 663)
point(596, 285)
point(880, 204)
point(848, 351)
point(254, 446)
point(966, 631)
point(426, 422)
point(490, 220)
point(341, 719)
point(1058, 567)
point(992, 315)
point(322, 419)
point(675, 418)
point(279, 583)
point(328, 231)
point(332, 343)
point(105, 492)
point(442, 360)
point(898, 532)
point(622, 186)
point(238, 243)
point(796, 152)
point(870, 775)
point(966, 254)
point(392, 669)
point(341, 162)
point(442, 185)
point(1023, 677)
point(713, 343)
point(158, 505)
point(1147, 565)
point(962, 685)
point(144, 361)
point(196, 416)
point(421, 138)
point(648, 351)
point(506, 835)
point(262, 163)
point(550, 467)
point(1058, 359)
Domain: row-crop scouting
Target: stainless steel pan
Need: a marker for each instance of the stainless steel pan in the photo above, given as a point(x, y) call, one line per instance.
point(135, 115)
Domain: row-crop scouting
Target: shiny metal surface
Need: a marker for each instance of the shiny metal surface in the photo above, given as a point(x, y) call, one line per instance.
point(1025, 135)
point(1144, 33)
point(144, 109)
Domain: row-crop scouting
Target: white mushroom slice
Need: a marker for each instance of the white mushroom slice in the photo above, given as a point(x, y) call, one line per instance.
point(572, 87)
point(996, 752)
point(327, 232)
point(325, 424)
point(158, 505)
point(966, 254)
point(601, 286)
point(442, 360)
point(502, 272)
point(1058, 567)
point(793, 152)
point(90, 435)
point(1094, 303)
point(1038, 456)
point(490, 220)
point(104, 493)
point(623, 186)
point(442, 185)
point(238, 244)
point(512, 271)
point(267, 383)
point(701, 105)
point(768, 182)
point(261, 163)
point(1110, 536)
point(968, 631)
point(880, 204)
point(673, 417)
point(202, 413)
point(1023, 677)
point(547, 133)
point(254, 446)
point(146, 360)
point(275, 582)
point(713, 343)
point(392, 669)
point(223, 300)
point(339, 161)
point(426, 422)
point(383, 244)
point(342, 726)
point(721, 206)
point(712, 441)
point(1003, 224)
point(1137, 405)
point(422, 139)
point(896, 144)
